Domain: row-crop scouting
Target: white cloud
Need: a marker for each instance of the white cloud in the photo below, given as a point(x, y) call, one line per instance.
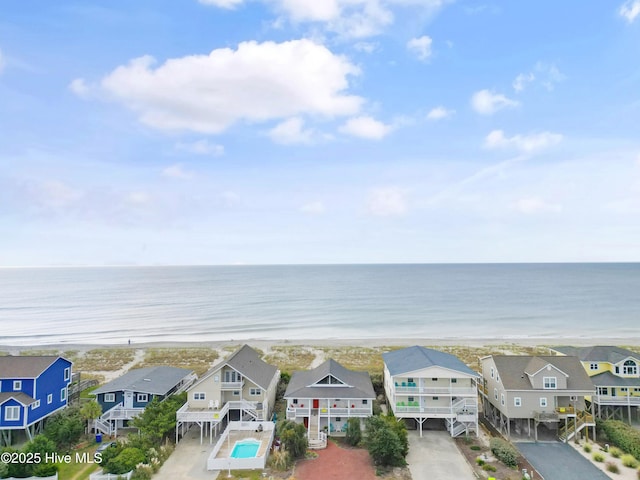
point(313, 208)
point(549, 75)
point(630, 10)
point(254, 83)
point(367, 47)
point(366, 127)
point(521, 81)
point(387, 202)
point(533, 205)
point(229, 4)
point(524, 143)
point(201, 147)
point(79, 87)
point(290, 132)
point(177, 171)
point(420, 46)
point(486, 102)
point(138, 198)
point(438, 113)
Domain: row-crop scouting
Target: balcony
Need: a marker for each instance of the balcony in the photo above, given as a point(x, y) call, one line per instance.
point(417, 408)
point(185, 414)
point(565, 411)
point(616, 400)
point(454, 391)
point(232, 385)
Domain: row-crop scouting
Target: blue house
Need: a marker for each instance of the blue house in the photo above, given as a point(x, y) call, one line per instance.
point(31, 389)
point(126, 397)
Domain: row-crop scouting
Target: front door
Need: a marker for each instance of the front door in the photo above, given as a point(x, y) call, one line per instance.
point(128, 399)
point(316, 403)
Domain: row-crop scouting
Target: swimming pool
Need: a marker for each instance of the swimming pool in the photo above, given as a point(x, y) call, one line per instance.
point(245, 449)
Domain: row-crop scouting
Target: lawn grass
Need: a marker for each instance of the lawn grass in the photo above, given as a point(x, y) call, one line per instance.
point(79, 470)
point(104, 359)
point(197, 359)
point(290, 358)
point(241, 475)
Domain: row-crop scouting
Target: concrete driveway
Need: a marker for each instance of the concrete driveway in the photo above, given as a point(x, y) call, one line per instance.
point(189, 460)
point(435, 456)
point(558, 461)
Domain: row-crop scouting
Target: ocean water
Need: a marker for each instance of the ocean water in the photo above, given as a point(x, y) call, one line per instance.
point(41, 306)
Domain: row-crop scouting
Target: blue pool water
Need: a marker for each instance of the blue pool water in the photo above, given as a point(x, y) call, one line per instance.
point(245, 449)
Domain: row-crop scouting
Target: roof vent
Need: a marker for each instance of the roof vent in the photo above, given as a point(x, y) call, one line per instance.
point(147, 379)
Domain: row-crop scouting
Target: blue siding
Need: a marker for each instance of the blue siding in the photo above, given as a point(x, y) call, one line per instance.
point(119, 397)
point(26, 387)
point(51, 381)
point(137, 404)
point(9, 423)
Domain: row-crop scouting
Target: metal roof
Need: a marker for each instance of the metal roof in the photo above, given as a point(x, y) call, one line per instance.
point(356, 384)
point(26, 366)
point(417, 358)
point(598, 353)
point(513, 371)
point(154, 380)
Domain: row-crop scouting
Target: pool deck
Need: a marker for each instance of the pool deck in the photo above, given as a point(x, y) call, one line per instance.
point(234, 436)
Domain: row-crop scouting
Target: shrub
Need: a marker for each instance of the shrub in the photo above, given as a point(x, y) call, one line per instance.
point(475, 447)
point(125, 461)
point(354, 433)
point(598, 457)
point(294, 437)
point(612, 467)
point(480, 461)
point(615, 452)
point(504, 451)
point(630, 461)
point(622, 436)
point(489, 468)
point(587, 448)
point(280, 459)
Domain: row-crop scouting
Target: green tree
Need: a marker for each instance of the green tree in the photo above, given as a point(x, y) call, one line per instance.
point(90, 411)
point(42, 445)
point(354, 432)
point(383, 441)
point(65, 428)
point(294, 438)
point(159, 419)
point(125, 461)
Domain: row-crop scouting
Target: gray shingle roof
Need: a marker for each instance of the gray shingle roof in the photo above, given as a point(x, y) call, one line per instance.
point(511, 369)
point(358, 384)
point(608, 379)
point(598, 353)
point(19, 396)
point(153, 380)
point(25, 366)
point(248, 362)
point(416, 358)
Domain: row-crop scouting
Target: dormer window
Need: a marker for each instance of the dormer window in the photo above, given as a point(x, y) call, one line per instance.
point(549, 383)
point(329, 380)
point(629, 368)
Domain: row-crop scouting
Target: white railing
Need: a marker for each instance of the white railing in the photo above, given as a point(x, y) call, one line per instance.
point(104, 427)
point(317, 441)
point(120, 413)
point(436, 390)
point(110, 476)
point(325, 412)
point(427, 410)
point(215, 463)
point(232, 385)
point(201, 415)
point(187, 382)
point(52, 477)
point(617, 400)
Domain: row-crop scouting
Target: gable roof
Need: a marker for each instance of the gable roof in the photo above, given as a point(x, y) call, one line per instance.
point(512, 371)
point(536, 364)
point(23, 398)
point(598, 353)
point(26, 366)
point(153, 380)
point(248, 362)
point(357, 384)
point(416, 358)
point(608, 379)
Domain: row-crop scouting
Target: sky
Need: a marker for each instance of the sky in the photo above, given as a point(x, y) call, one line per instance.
point(192, 132)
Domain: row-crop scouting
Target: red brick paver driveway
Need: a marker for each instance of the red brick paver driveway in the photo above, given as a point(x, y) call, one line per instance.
point(335, 463)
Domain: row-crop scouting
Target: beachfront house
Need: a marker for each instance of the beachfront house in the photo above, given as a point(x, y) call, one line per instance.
point(522, 393)
point(326, 397)
point(615, 372)
point(127, 396)
point(426, 385)
point(31, 389)
point(242, 387)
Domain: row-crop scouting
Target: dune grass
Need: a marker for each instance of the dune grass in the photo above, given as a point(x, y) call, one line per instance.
point(104, 359)
point(197, 359)
point(290, 358)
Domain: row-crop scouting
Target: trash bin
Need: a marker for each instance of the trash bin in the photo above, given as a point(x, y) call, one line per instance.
point(98, 438)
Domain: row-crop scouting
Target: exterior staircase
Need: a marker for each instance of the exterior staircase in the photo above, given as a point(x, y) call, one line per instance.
point(582, 420)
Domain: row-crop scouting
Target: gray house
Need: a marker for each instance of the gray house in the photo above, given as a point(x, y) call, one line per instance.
point(326, 397)
point(521, 392)
point(423, 385)
point(127, 396)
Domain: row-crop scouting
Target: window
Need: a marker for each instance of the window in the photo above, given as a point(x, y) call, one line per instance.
point(365, 401)
point(295, 401)
point(255, 391)
point(50, 398)
point(17, 385)
point(502, 399)
point(35, 404)
point(199, 395)
point(411, 399)
point(498, 377)
point(617, 369)
point(492, 372)
point(624, 389)
point(593, 366)
point(109, 397)
point(636, 389)
point(517, 401)
point(495, 393)
point(454, 380)
point(338, 419)
point(232, 376)
point(67, 373)
point(143, 397)
point(543, 402)
point(410, 380)
point(603, 391)
point(63, 394)
point(12, 413)
point(435, 398)
point(216, 378)
point(236, 393)
point(434, 379)
point(630, 368)
point(549, 383)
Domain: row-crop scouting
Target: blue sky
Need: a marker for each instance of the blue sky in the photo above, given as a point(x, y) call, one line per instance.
point(299, 131)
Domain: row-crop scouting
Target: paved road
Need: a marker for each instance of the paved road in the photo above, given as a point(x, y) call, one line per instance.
point(189, 460)
point(558, 461)
point(435, 456)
